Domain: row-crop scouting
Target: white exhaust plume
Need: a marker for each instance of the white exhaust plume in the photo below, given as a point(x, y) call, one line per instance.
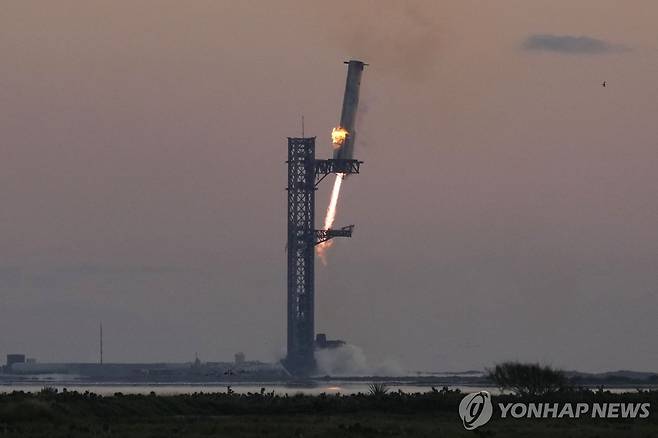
point(330, 217)
point(350, 360)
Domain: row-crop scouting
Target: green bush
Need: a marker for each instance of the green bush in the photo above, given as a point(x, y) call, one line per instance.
point(527, 379)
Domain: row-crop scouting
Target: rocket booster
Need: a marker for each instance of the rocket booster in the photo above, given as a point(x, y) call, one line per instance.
point(350, 107)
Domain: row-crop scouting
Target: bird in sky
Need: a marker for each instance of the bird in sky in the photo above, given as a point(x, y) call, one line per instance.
point(604, 84)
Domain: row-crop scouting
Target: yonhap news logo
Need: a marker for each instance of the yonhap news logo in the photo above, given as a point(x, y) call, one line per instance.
point(574, 410)
point(475, 409)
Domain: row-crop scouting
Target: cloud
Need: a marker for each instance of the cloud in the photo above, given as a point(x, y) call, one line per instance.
point(574, 45)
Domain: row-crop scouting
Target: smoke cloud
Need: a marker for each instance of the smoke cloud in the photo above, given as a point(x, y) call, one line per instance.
point(400, 38)
point(350, 360)
point(569, 44)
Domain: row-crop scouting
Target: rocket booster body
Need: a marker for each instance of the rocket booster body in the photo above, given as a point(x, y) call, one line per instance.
point(350, 108)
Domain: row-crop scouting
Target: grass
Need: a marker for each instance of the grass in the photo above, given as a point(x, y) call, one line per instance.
point(380, 413)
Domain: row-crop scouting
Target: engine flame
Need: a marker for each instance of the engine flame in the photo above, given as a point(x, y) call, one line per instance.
point(330, 217)
point(338, 136)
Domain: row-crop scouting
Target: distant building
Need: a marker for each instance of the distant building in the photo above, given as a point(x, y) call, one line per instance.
point(14, 358)
point(154, 372)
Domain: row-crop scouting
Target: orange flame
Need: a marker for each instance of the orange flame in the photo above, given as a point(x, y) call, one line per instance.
point(331, 216)
point(338, 136)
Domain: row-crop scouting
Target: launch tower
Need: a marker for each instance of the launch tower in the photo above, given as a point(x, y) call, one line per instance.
point(305, 172)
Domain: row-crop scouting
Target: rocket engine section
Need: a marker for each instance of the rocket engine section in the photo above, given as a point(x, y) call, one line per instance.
point(344, 136)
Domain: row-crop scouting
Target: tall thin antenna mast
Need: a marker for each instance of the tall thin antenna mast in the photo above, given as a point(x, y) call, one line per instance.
point(302, 125)
point(101, 342)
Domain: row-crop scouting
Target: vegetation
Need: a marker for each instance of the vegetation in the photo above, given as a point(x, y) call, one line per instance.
point(378, 389)
point(527, 379)
point(265, 414)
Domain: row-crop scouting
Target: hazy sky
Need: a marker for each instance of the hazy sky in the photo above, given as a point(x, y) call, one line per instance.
point(507, 207)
